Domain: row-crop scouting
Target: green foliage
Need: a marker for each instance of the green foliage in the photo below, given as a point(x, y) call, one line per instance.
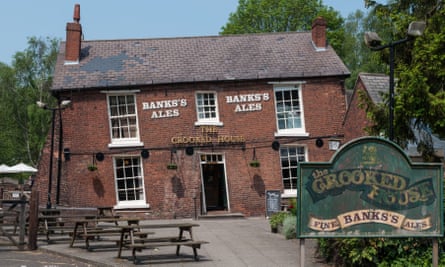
point(419, 70)
point(277, 218)
point(24, 125)
point(256, 16)
point(290, 226)
point(381, 252)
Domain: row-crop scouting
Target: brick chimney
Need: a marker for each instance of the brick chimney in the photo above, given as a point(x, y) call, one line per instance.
point(73, 38)
point(319, 33)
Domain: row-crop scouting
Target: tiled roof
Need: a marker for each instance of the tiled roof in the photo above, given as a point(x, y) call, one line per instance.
point(136, 62)
point(376, 85)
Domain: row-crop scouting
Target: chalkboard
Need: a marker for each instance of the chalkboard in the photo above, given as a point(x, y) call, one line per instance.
point(273, 202)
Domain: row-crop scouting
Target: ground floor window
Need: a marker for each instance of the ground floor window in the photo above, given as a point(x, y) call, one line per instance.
point(289, 158)
point(129, 181)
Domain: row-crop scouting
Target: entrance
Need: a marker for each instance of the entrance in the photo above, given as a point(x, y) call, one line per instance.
point(213, 183)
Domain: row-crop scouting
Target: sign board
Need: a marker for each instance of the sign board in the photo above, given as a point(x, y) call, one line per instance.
point(273, 202)
point(370, 188)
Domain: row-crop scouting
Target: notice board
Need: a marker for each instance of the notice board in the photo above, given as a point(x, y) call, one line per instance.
point(273, 202)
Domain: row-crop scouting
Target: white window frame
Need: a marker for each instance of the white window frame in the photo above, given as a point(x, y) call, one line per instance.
point(292, 192)
point(123, 142)
point(137, 203)
point(300, 131)
point(207, 121)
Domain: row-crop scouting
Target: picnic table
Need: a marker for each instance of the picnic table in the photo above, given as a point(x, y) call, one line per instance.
point(129, 240)
point(59, 222)
point(90, 229)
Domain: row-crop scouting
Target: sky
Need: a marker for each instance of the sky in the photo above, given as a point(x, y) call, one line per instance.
point(118, 19)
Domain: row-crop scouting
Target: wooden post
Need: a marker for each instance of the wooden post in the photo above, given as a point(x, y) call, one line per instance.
point(302, 252)
point(33, 220)
point(22, 222)
point(435, 252)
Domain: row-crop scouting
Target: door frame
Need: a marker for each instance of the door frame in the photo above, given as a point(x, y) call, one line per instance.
point(205, 158)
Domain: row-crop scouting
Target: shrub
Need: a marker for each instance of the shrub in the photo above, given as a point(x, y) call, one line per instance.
point(290, 226)
point(277, 218)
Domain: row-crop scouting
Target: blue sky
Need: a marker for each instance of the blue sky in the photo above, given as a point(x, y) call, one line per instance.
point(117, 19)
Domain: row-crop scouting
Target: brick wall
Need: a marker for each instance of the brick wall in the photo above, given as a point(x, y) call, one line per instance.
point(176, 193)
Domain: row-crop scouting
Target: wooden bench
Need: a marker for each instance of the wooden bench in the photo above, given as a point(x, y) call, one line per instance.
point(53, 224)
point(138, 244)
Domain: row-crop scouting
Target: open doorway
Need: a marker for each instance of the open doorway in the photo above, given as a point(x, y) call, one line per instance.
point(214, 183)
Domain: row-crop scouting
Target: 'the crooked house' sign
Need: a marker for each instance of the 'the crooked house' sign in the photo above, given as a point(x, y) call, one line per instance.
point(370, 188)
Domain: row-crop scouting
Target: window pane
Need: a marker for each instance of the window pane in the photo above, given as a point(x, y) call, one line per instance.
point(288, 110)
point(289, 158)
point(123, 118)
point(206, 106)
point(129, 180)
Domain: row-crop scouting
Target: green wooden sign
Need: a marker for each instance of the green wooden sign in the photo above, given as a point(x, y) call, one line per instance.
point(370, 188)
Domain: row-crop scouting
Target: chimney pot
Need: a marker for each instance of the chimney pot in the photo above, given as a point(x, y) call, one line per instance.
point(319, 33)
point(76, 16)
point(73, 38)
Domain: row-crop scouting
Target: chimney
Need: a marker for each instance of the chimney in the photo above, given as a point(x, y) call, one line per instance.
point(319, 33)
point(73, 38)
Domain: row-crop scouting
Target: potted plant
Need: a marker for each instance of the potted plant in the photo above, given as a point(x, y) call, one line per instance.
point(276, 220)
point(172, 166)
point(254, 163)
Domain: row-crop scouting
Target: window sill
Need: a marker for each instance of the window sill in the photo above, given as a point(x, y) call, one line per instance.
point(131, 206)
point(286, 134)
point(208, 123)
point(123, 144)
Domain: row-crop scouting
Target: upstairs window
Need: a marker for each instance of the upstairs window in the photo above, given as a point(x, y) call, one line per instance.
point(123, 120)
point(289, 110)
point(207, 108)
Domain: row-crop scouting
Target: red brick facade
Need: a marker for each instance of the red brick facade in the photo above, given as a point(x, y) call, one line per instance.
point(247, 130)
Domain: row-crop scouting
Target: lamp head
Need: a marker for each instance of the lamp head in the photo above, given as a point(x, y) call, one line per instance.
point(40, 104)
point(416, 28)
point(372, 39)
point(65, 103)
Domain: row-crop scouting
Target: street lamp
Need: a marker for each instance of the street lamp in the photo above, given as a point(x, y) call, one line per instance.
point(60, 106)
point(374, 42)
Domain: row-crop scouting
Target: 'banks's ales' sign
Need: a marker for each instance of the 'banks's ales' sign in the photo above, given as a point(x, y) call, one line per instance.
point(369, 188)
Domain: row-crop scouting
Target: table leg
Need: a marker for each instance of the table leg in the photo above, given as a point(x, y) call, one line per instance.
point(121, 243)
point(73, 238)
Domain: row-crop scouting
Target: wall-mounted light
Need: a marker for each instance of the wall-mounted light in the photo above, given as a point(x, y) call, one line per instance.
point(100, 156)
point(145, 154)
point(334, 144)
point(67, 154)
point(189, 150)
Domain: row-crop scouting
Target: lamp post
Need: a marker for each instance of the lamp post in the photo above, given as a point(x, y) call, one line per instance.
point(374, 42)
point(60, 106)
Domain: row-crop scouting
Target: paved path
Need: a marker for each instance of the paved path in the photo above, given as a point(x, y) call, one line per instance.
point(233, 242)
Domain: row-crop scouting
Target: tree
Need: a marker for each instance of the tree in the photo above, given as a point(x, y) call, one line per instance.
point(24, 125)
point(256, 16)
point(419, 70)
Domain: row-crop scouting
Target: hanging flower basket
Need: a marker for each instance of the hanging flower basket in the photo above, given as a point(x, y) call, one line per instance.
point(172, 166)
point(254, 163)
point(92, 167)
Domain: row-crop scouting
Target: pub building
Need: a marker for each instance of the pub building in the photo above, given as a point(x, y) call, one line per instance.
point(184, 127)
